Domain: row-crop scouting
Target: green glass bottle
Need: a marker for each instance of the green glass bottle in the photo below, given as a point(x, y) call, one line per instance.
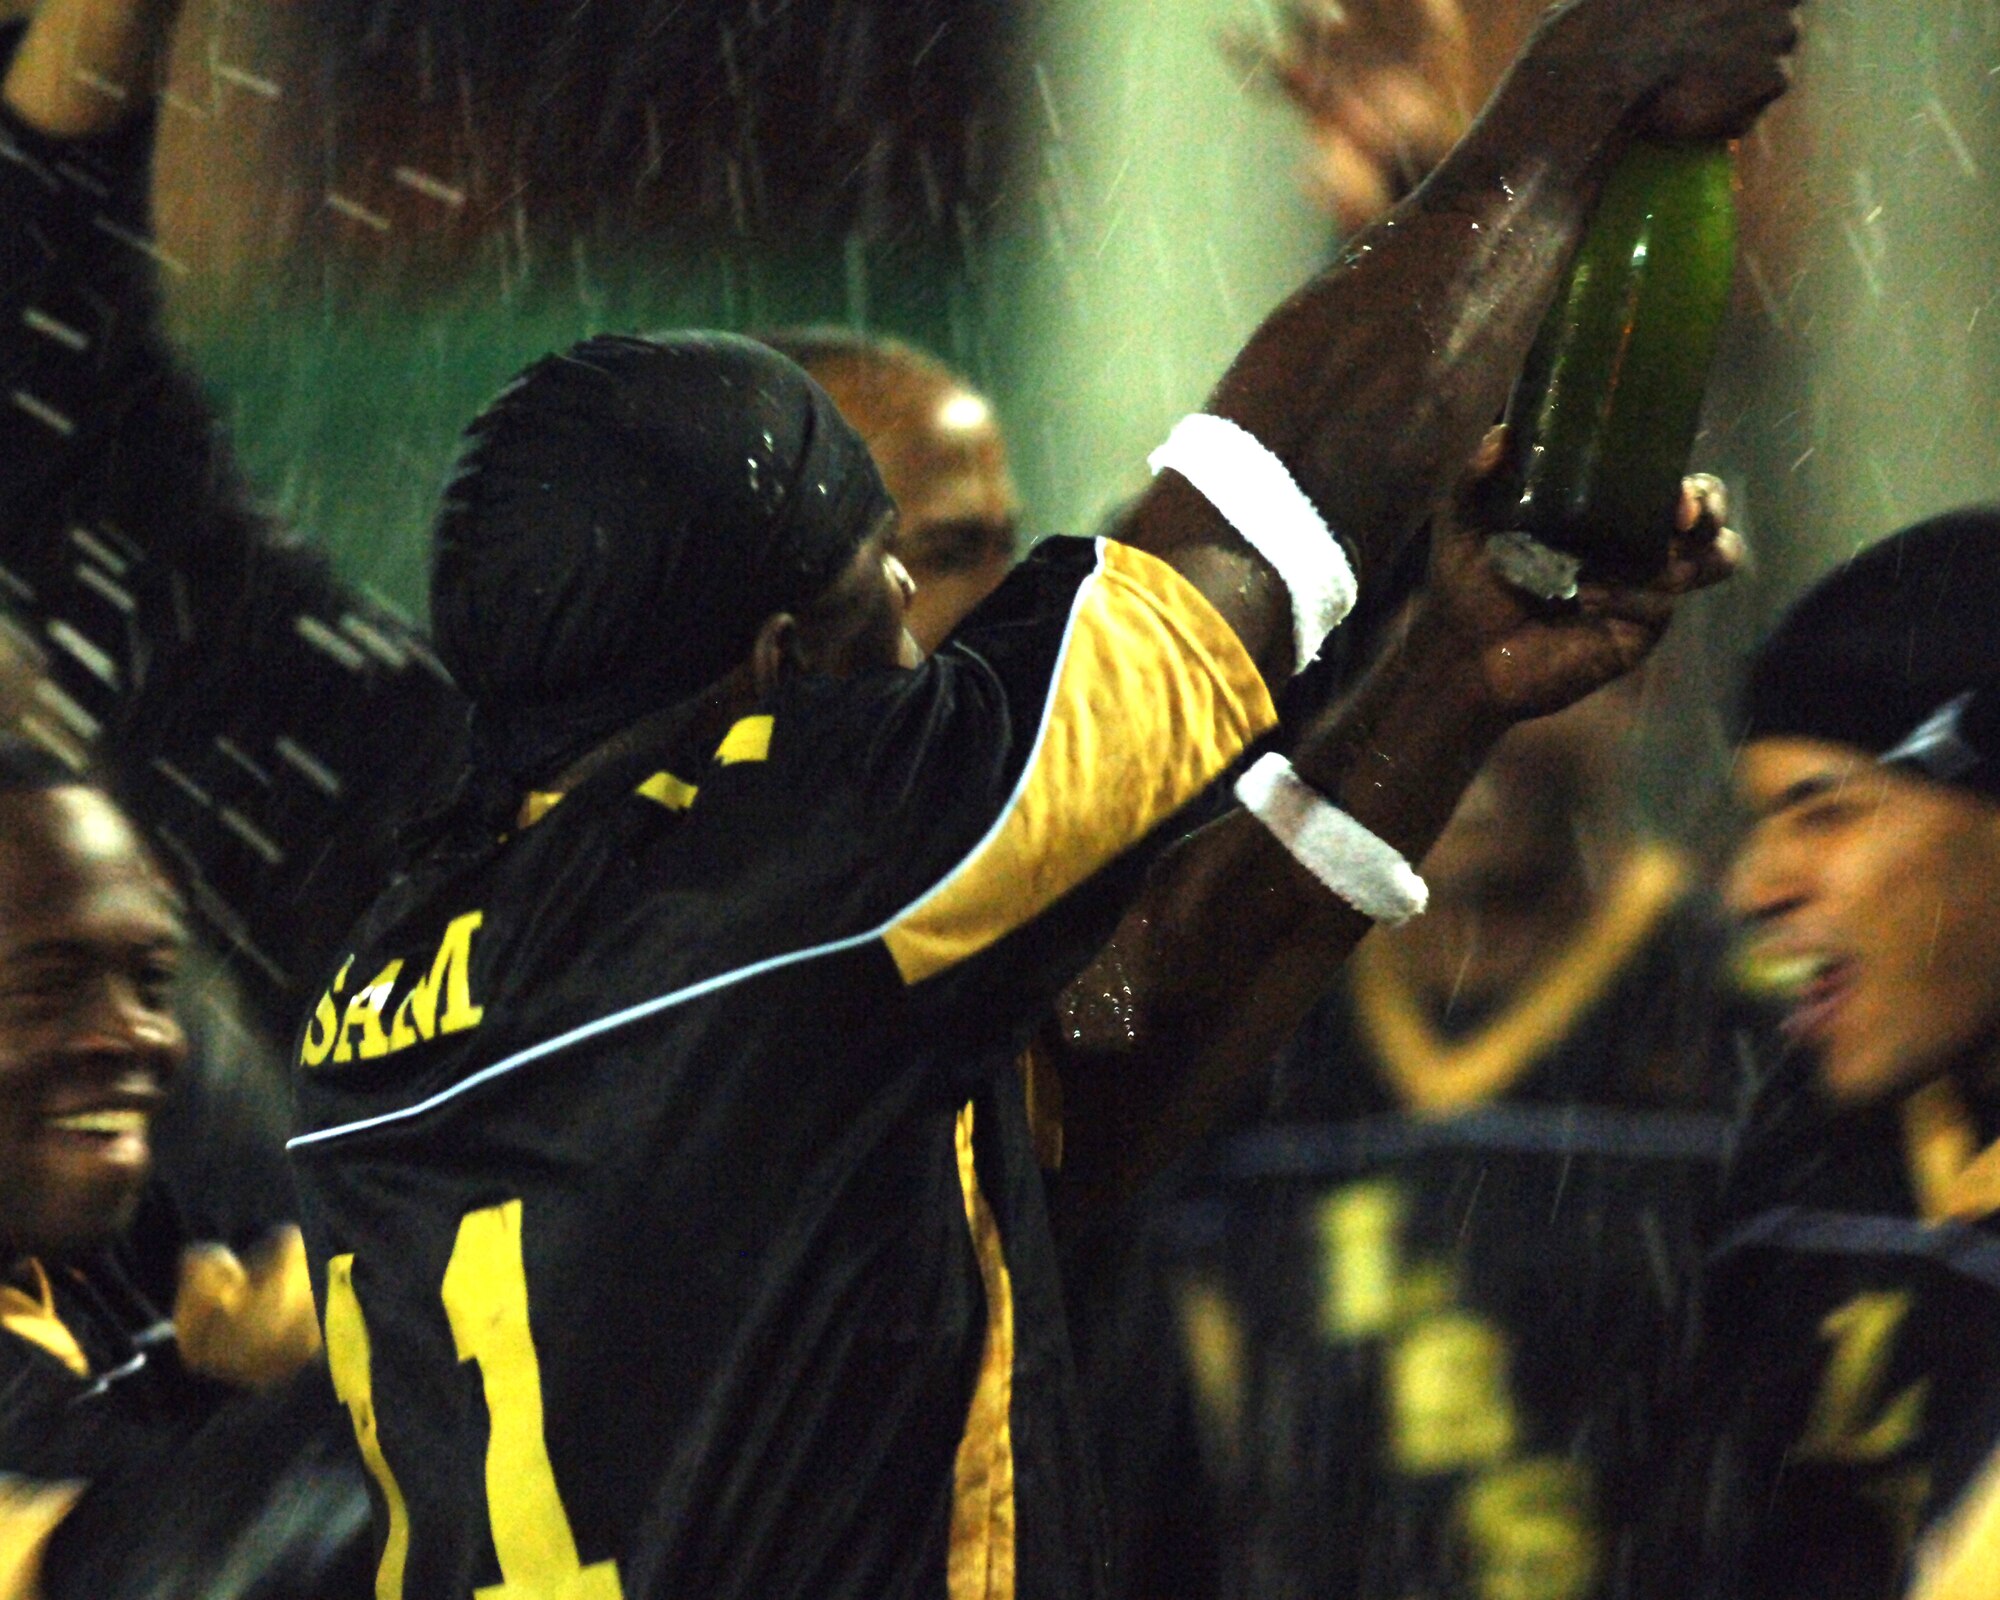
point(1606, 409)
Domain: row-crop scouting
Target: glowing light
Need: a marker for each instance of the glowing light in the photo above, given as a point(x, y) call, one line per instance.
point(964, 412)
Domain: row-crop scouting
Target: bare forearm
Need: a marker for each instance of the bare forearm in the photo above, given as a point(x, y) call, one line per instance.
point(1398, 755)
point(1376, 381)
point(86, 65)
point(1233, 942)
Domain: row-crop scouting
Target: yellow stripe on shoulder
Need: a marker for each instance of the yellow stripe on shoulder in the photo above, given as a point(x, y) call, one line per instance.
point(674, 793)
point(1155, 696)
point(29, 1513)
point(749, 740)
point(537, 804)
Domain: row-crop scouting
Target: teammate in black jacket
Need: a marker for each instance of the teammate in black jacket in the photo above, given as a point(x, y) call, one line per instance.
point(1840, 1430)
point(1421, 1310)
point(133, 1458)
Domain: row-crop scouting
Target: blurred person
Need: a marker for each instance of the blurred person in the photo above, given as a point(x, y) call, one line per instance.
point(1387, 88)
point(1717, 64)
point(938, 443)
point(1390, 1342)
point(131, 1458)
point(1839, 1433)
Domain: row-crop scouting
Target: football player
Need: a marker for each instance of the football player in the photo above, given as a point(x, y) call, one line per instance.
point(1838, 1437)
point(1388, 1341)
point(130, 1446)
point(666, 1169)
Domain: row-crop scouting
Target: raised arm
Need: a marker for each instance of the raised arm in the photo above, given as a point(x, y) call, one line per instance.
point(257, 718)
point(1233, 940)
point(77, 300)
point(1374, 384)
point(86, 63)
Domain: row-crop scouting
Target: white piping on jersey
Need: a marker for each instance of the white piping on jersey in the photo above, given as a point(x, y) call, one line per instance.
point(116, 1375)
point(757, 969)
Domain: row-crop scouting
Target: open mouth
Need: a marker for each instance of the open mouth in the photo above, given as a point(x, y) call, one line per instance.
point(117, 1134)
point(1809, 985)
point(1819, 992)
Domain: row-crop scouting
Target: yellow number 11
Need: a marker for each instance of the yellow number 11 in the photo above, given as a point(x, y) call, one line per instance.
point(486, 1303)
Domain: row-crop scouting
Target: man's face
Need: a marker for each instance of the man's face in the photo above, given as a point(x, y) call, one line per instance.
point(90, 945)
point(1874, 897)
point(944, 463)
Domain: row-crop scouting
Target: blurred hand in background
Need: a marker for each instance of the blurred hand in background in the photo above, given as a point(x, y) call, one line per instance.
point(1386, 86)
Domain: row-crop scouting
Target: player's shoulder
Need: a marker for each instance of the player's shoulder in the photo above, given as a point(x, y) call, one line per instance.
point(952, 726)
point(1795, 1149)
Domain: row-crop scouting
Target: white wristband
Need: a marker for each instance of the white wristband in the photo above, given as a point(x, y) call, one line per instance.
point(1238, 475)
point(1368, 874)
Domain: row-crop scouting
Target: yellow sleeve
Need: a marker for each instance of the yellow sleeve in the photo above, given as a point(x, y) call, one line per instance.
point(1152, 698)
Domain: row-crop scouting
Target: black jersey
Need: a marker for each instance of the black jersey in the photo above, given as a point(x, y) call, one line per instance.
point(1836, 1435)
point(1376, 1354)
point(124, 1473)
point(666, 1172)
point(88, 1368)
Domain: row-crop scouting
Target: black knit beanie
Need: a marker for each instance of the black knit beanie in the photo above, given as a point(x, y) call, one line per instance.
point(622, 519)
point(1897, 653)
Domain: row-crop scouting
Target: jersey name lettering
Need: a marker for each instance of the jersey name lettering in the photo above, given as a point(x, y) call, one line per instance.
point(437, 1004)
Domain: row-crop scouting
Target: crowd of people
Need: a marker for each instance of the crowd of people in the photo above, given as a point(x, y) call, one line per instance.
point(779, 1050)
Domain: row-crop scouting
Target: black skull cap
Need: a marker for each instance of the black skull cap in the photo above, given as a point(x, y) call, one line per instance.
point(622, 518)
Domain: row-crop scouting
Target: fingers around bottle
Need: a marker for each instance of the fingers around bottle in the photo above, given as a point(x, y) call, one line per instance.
point(1650, 608)
point(1698, 562)
point(1704, 506)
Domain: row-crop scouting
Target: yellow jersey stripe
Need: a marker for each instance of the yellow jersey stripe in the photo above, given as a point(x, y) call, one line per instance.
point(980, 1565)
point(30, 1313)
point(1153, 697)
point(1958, 1559)
point(29, 1512)
point(1434, 1076)
point(1954, 1179)
point(749, 740)
point(537, 804)
point(673, 793)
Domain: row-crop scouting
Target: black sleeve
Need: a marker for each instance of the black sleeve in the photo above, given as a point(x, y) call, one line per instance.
point(268, 1501)
point(268, 728)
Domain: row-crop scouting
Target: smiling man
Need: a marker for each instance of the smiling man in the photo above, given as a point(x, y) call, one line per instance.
point(1850, 1391)
point(88, 1038)
point(90, 941)
point(1872, 871)
point(98, 1389)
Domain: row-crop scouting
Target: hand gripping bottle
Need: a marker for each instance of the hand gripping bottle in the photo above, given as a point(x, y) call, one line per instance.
point(1607, 406)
